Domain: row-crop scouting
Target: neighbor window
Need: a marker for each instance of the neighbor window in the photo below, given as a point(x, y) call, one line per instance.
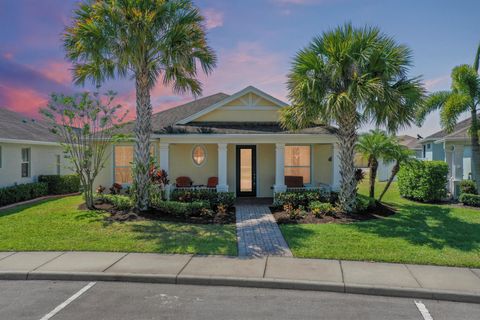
point(58, 163)
point(298, 162)
point(25, 165)
point(123, 156)
point(199, 155)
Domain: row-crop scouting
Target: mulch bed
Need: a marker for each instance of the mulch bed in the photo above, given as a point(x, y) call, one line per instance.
point(157, 215)
point(380, 212)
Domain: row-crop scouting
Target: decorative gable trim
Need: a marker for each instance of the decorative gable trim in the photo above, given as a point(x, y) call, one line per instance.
point(249, 103)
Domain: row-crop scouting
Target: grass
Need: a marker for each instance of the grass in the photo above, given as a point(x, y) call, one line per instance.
point(419, 233)
point(58, 224)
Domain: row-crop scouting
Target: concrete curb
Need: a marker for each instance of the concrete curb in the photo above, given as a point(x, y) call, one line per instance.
point(264, 283)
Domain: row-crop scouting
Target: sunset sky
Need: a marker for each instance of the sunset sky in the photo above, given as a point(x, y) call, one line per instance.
point(255, 41)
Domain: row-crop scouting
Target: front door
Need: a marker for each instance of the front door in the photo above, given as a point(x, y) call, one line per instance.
point(246, 171)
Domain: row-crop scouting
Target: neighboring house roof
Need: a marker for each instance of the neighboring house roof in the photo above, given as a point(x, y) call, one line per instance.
point(177, 119)
point(15, 126)
point(460, 131)
point(410, 142)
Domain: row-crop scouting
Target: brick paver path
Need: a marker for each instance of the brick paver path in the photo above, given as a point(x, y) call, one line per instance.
point(257, 232)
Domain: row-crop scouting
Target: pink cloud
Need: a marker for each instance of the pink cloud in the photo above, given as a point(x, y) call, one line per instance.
point(24, 100)
point(58, 71)
point(213, 18)
point(437, 83)
point(8, 55)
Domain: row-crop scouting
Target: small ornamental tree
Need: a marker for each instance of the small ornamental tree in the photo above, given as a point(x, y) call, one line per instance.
point(85, 125)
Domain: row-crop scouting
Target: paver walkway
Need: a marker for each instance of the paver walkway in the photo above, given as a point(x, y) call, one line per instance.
point(257, 232)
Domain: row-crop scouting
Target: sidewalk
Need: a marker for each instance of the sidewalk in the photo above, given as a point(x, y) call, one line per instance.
point(399, 280)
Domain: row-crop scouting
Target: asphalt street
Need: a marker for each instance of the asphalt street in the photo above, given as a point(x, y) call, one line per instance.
point(43, 300)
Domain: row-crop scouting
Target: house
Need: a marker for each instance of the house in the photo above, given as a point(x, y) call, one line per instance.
point(27, 149)
point(385, 168)
point(237, 140)
point(453, 148)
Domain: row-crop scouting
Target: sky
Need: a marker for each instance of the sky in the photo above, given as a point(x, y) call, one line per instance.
point(255, 41)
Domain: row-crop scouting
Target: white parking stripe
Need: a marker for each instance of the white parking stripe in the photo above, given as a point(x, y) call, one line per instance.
point(423, 310)
point(67, 302)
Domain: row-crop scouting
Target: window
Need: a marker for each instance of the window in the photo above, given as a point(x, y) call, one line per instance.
point(297, 162)
point(25, 165)
point(123, 159)
point(199, 155)
point(58, 162)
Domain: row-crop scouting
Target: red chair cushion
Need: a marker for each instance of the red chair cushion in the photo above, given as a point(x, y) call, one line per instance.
point(184, 182)
point(212, 182)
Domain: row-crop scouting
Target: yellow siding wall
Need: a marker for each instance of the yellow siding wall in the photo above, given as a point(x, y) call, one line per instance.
point(181, 163)
point(322, 168)
point(226, 115)
point(265, 169)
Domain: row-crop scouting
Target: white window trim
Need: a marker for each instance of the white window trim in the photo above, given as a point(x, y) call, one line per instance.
point(311, 161)
point(206, 155)
point(29, 162)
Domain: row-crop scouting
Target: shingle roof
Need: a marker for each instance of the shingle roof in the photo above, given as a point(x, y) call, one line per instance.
point(459, 131)
point(409, 142)
point(167, 118)
point(14, 125)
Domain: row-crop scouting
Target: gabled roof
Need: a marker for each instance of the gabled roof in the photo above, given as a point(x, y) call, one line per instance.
point(247, 90)
point(460, 131)
point(170, 117)
point(409, 142)
point(15, 126)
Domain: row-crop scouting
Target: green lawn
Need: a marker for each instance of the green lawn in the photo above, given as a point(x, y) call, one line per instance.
point(58, 225)
point(418, 233)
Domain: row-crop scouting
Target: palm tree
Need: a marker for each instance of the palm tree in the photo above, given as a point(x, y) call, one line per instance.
point(374, 146)
point(463, 97)
point(352, 76)
point(400, 155)
point(147, 40)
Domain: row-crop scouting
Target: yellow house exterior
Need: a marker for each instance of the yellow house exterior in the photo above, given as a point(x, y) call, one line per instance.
point(237, 139)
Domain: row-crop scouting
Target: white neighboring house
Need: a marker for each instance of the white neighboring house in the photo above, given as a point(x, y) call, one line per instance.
point(385, 168)
point(454, 148)
point(27, 149)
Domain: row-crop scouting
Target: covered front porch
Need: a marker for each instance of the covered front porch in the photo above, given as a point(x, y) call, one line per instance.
point(250, 165)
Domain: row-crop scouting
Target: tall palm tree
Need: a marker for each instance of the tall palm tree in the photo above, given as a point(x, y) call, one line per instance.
point(352, 76)
point(147, 40)
point(374, 146)
point(464, 97)
point(400, 155)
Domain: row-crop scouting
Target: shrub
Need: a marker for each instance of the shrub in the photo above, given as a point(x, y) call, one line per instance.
point(468, 186)
point(22, 192)
point(469, 199)
point(365, 203)
point(424, 181)
point(320, 209)
point(301, 198)
point(119, 202)
point(214, 198)
point(185, 209)
point(61, 184)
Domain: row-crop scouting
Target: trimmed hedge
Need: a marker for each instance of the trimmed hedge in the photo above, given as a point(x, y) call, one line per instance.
point(468, 186)
point(119, 202)
point(424, 181)
point(22, 192)
point(61, 184)
point(469, 199)
point(214, 198)
point(301, 198)
point(365, 203)
point(185, 209)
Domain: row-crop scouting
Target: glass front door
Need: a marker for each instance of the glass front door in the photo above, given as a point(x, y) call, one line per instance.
point(246, 171)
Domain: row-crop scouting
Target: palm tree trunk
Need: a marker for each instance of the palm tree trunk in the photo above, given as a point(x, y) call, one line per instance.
point(395, 170)
point(347, 136)
point(475, 149)
point(143, 127)
point(373, 175)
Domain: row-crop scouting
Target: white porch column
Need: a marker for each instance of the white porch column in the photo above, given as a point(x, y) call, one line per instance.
point(279, 168)
point(335, 167)
point(222, 168)
point(164, 147)
point(451, 169)
point(458, 161)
